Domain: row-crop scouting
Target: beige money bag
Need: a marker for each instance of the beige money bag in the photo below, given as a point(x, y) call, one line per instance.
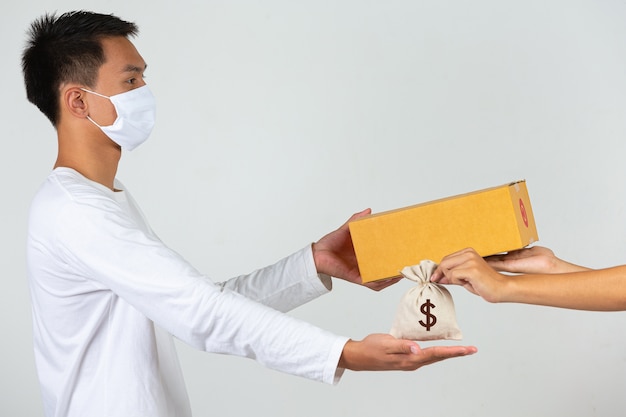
point(426, 312)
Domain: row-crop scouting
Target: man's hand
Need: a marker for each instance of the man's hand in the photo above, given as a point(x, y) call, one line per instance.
point(334, 255)
point(383, 352)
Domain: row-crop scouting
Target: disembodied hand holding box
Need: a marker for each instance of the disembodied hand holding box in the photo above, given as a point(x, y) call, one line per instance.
point(493, 220)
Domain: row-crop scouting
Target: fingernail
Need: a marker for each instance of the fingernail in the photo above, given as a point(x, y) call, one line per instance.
point(415, 350)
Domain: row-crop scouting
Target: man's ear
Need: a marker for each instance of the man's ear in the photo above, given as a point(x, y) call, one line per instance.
point(72, 100)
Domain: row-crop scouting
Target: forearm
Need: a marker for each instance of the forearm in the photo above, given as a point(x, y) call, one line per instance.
point(597, 290)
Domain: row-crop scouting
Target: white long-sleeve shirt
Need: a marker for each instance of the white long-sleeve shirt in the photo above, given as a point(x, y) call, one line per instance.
point(107, 295)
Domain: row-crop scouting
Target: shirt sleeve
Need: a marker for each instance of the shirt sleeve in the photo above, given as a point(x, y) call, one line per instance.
point(285, 285)
point(109, 248)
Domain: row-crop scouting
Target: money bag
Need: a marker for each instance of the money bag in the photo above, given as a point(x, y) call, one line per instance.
point(426, 311)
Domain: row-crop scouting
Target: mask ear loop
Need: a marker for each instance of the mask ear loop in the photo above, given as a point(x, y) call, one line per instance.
point(98, 94)
point(92, 121)
point(93, 92)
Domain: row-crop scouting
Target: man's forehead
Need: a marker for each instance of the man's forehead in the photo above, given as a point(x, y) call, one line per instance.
point(122, 55)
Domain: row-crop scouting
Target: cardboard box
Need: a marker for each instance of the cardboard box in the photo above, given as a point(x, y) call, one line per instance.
point(493, 220)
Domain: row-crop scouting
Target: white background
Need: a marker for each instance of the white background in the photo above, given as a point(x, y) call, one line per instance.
point(279, 119)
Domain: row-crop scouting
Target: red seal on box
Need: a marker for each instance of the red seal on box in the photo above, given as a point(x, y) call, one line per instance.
point(523, 211)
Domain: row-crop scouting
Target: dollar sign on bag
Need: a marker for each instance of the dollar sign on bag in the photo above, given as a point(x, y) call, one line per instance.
point(431, 319)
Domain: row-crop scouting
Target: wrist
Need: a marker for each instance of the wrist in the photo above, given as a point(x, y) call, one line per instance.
point(344, 359)
point(508, 289)
point(318, 259)
point(315, 254)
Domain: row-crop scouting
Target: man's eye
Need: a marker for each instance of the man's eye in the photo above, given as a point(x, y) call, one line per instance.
point(132, 81)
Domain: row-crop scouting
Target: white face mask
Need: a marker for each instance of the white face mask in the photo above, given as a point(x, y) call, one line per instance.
point(136, 112)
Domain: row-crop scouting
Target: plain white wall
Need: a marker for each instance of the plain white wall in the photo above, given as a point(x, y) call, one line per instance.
point(279, 119)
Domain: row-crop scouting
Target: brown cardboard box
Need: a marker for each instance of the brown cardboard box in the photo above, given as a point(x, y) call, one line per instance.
point(493, 220)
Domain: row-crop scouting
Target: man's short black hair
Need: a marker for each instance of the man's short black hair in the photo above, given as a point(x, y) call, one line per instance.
point(64, 49)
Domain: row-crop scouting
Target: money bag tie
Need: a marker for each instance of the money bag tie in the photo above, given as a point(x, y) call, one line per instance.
point(426, 311)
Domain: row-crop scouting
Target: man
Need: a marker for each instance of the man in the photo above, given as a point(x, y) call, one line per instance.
point(108, 294)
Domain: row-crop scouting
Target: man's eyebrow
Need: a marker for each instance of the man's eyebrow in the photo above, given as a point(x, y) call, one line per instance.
point(134, 68)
